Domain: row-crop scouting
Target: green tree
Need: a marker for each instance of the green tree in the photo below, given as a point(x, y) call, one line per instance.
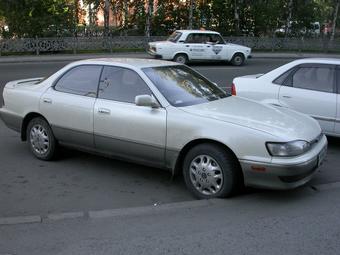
point(29, 18)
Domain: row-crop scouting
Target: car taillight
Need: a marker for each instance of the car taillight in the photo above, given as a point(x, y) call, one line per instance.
point(233, 89)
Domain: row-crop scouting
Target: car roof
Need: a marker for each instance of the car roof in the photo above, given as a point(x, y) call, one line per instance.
point(332, 61)
point(198, 31)
point(127, 62)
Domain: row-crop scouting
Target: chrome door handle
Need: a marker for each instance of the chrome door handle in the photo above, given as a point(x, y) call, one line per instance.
point(286, 96)
point(104, 111)
point(47, 100)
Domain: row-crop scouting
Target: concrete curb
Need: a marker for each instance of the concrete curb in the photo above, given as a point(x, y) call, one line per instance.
point(147, 209)
point(132, 211)
point(20, 220)
point(63, 216)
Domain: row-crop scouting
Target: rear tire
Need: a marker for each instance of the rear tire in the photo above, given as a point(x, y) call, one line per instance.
point(210, 171)
point(40, 139)
point(181, 58)
point(238, 59)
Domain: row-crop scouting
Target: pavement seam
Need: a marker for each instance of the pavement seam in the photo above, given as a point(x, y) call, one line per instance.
point(129, 211)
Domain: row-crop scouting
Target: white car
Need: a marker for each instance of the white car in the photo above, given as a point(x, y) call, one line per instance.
point(310, 86)
point(165, 115)
point(188, 45)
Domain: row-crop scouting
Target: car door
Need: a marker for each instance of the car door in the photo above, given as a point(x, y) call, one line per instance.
point(195, 46)
point(216, 47)
point(121, 127)
point(310, 89)
point(68, 105)
point(337, 121)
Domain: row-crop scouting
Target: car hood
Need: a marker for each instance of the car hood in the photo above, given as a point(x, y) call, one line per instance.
point(283, 123)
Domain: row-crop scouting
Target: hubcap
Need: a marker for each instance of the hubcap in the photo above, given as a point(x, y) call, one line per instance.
point(39, 139)
point(238, 60)
point(180, 59)
point(206, 175)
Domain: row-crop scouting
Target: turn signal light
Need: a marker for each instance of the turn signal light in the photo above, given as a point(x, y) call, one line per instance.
point(233, 89)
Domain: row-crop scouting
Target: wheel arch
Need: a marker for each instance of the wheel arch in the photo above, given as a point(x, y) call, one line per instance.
point(181, 52)
point(27, 120)
point(238, 52)
point(193, 143)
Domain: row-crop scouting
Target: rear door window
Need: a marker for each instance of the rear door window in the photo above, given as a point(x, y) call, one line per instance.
point(80, 80)
point(318, 78)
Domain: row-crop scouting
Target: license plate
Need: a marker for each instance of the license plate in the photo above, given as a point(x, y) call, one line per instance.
point(322, 156)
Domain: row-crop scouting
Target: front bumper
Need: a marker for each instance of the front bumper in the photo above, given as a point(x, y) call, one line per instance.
point(154, 54)
point(285, 173)
point(11, 120)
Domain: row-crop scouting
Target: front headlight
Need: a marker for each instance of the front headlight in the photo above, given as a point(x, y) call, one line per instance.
point(288, 149)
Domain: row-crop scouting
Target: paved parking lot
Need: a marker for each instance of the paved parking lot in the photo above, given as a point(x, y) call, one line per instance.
point(80, 181)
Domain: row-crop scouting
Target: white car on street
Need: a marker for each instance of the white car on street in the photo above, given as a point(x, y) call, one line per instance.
point(166, 115)
point(310, 86)
point(189, 45)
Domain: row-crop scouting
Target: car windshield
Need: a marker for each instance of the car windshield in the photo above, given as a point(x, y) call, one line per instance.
point(182, 86)
point(174, 36)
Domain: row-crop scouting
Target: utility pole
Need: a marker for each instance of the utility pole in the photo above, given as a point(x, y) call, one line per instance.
point(191, 11)
point(336, 9)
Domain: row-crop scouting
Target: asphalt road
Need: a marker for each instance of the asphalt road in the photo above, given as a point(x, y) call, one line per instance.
point(280, 223)
point(80, 181)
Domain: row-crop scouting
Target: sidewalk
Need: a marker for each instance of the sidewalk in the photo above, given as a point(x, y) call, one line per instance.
point(73, 57)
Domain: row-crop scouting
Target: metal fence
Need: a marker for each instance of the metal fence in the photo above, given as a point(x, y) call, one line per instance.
point(110, 44)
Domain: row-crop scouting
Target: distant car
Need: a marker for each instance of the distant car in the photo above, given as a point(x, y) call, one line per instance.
point(310, 86)
point(190, 45)
point(165, 115)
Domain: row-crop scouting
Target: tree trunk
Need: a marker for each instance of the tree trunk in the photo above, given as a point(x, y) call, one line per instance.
point(289, 17)
point(236, 17)
point(191, 10)
point(106, 17)
point(148, 18)
point(126, 15)
point(336, 9)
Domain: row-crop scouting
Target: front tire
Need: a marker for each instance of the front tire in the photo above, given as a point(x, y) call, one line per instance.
point(181, 58)
point(40, 139)
point(210, 171)
point(238, 59)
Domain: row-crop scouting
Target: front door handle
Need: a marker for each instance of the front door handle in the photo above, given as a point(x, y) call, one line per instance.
point(47, 100)
point(104, 111)
point(286, 96)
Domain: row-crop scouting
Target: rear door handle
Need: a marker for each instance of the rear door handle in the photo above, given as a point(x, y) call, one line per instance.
point(104, 111)
point(286, 96)
point(47, 100)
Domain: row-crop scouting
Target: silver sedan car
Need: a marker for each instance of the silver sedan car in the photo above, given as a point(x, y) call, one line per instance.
point(165, 115)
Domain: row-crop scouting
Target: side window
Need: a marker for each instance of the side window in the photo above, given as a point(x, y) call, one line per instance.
point(81, 80)
point(314, 78)
point(283, 77)
point(215, 38)
point(195, 38)
point(121, 84)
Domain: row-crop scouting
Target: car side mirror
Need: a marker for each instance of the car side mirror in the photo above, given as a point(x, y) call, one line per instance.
point(146, 100)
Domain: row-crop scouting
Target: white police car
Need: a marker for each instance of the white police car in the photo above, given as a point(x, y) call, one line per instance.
point(189, 45)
